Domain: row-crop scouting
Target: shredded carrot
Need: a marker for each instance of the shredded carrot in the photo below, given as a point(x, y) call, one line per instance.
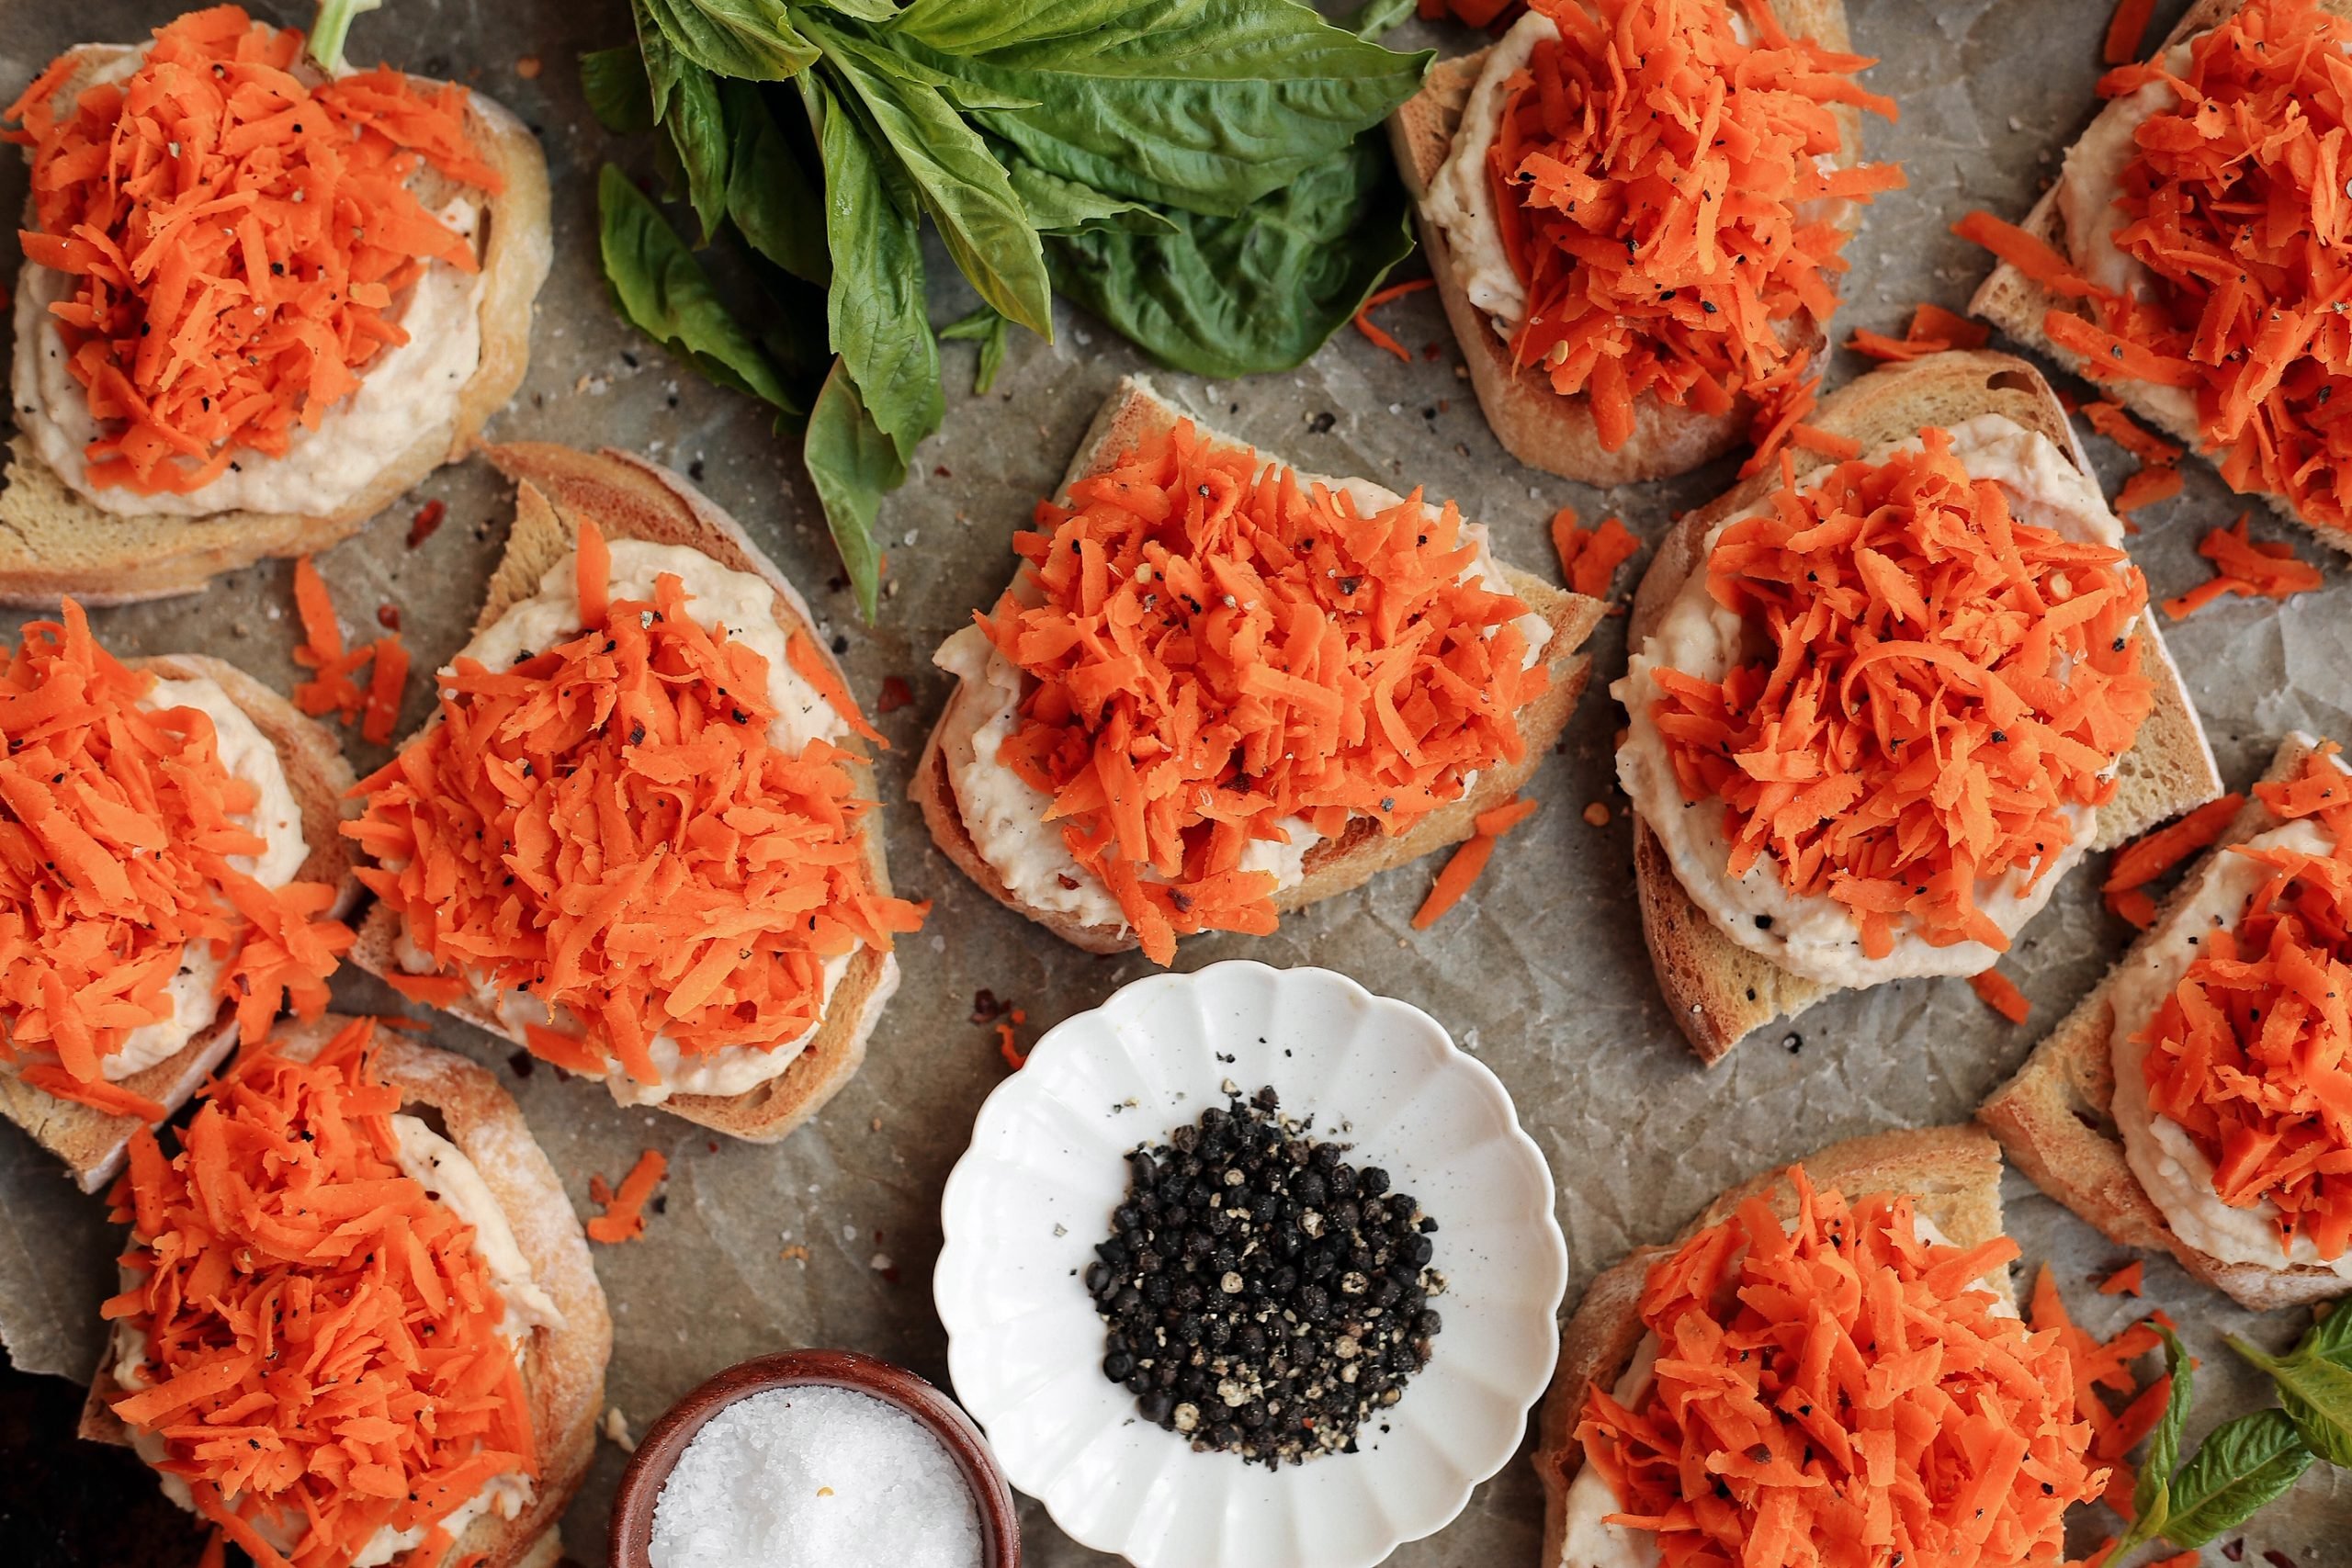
point(433, 991)
point(1589, 558)
point(1366, 325)
point(2126, 1280)
point(1470, 13)
point(1007, 1048)
point(236, 238)
point(2092, 1365)
point(1655, 183)
point(1938, 685)
point(336, 688)
point(384, 689)
point(325, 1352)
point(1837, 1391)
point(215, 1553)
point(2133, 905)
point(2028, 253)
point(624, 1217)
point(606, 825)
point(2152, 854)
point(1212, 648)
point(97, 1094)
point(2146, 488)
point(1463, 868)
point(2111, 419)
point(2125, 30)
point(1933, 330)
point(1782, 401)
point(1997, 991)
point(800, 652)
point(2245, 567)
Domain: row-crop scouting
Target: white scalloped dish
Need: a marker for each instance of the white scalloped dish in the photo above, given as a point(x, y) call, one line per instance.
point(1034, 1194)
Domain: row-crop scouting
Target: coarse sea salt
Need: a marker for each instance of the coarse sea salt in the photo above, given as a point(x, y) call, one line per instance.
point(815, 1476)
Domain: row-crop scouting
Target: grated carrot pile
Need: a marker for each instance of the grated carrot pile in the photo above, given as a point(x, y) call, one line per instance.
point(1838, 1393)
point(324, 1354)
point(1464, 867)
point(2155, 852)
point(1997, 991)
point(624, 1215)
point(1212, 648)
point(1933, 330)
point(1372, 329)
point(336, 688)
point(1654, 182)
point(1589, 557)
point(606, 826)
point(236, 238)
point(2264, 569)
point(115, 856)
point(1905, 734)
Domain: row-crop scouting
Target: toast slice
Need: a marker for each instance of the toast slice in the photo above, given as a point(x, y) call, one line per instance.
point(2056, 1122)
point(1534, 423)
point(1334, 866)
point(53, 542)
point(2017, 305)
point(563, 1368)
point(1720, 992)
point(629, 498)
point(91, 1142)
point(1953, 1173)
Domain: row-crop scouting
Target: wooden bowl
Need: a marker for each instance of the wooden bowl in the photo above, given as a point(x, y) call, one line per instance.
point(658, 1450)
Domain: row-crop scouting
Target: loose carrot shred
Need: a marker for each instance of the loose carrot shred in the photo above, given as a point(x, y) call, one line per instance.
point(336, 688)
point(2152, 854)
point(1496, 821)
point(433, 991)
point(384, 688)
point(2095, 1365)
point(1469, 13)
point(2248, 568)
point(2124, 1281)
point(237, 240)
point(1372, 330)
point(2125, 30)
point(1933, 330)
point(352, 1369)
point(1007, 1046)
point(2026, 253)
point(1589, 558)
point(2146, 488)
point(215, 1550)
point(1461, 870)
point(800, 651)
point(2111, 419)
point(2133, 905)
point(624, 1219)
point(1997, 991)
point(97, 1094)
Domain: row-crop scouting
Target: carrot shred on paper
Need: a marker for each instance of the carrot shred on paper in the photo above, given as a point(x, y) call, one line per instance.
point(1372, 330)
point(1997, 991)
point(624, 1216)
point(2146, 488)
point(2111, 419)
point(2246, 567)
point(2125, 30)
point(2126, 1280)
point(1933, 330)
point(336, 688)
point(2156, 851)
point(1462, 869)
point(1589, 558)
point(2133, 905)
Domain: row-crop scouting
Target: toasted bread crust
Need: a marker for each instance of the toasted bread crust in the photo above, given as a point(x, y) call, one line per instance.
point(1333, 866)
point(1953, 1173)
point(91, 1142)
point(1720, 992)
point(632, 499)
point(2056, 1120)
point(117, 559)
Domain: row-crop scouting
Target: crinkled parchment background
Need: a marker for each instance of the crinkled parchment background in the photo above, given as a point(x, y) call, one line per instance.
point(1542, 973)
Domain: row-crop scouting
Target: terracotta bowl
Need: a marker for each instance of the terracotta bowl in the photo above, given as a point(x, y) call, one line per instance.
point(658, 1450)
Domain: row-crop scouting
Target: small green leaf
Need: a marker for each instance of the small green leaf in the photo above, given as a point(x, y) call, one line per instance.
point(618, 93)
point(989, 330)
point(2331, 1334)
point(696, 121)
point(770, 197)
point(1374, 18)
point(2150, 1498)
point(2316, 1392)
point(754, 39)
point(854, 465)
point(661, 289)
point(2241, 1465)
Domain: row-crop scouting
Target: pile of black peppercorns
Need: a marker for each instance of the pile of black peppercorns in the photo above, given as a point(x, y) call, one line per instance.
point(1263, 1296)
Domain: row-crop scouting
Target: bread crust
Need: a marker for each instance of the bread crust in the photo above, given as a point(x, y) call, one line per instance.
point(125, 558)
point(629, 498)
point(1953, 1173)
point(563, 1368)
point(1534, 423)
point(1720, 992)
point(91, 1142)
point(2055, 1119)
point(1134, 410)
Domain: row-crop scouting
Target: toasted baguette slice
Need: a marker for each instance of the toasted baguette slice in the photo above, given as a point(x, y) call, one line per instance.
point(1134, 410)
point(2018, 305)
point(1952, 1173)
point(1534, 423)
point(1720, 992)
point(53, 542)
point(2056, 1119)
point(91, 1142)
point(563, 1368)
point(629, 498)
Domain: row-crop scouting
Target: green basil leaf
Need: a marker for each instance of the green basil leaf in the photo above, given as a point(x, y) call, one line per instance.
point(770, 197)
point(2331, 1334)
point(661, 289)
point(754, 39)
point(960, 182)
point(662, 60)
point(1226, 296)
point(2316, 1393)
point(1206, 105)
point(614, 81)
point(2151, 1499)
point(989, 330)
point(1056, 206)
point(2241, 1465)
point(696, 121)
point(863, 10)
point(854, 464)
point(1374, 18)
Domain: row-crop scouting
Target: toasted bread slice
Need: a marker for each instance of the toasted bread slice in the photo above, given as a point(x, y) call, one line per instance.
point(1718, 991)
point(91, 1142)
point(1534, 423)
point(2018, 305)
point(2056, 1118)
point(563, 1368)
point(629, 498)
point(1953, 1173)
point(1333, 866)
point(53, 542)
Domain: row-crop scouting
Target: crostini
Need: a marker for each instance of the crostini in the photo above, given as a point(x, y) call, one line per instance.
point(1741, 1353)
point(1627, 286)
point(283, 1398)
point(2196, 1102)
point(278, 303)
point(1877, 707)
point(2137, 267)
point(1219, 690)
point(170, 876)
point(637, 836)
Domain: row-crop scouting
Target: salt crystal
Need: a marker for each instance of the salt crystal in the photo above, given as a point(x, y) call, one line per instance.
point(815, 1476)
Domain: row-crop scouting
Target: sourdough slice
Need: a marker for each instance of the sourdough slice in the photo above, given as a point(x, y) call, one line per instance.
point(2017, 305)
point(90, 1140)
point(629, 498)
point(1134, 410)
point(1952, 1173)
point(53, 542)
point(1534, 423)
point(563, 1368)
point(1720, 991)
point(2056, 1121)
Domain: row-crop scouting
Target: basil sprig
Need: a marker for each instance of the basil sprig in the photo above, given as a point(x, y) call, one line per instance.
point(1206, 175)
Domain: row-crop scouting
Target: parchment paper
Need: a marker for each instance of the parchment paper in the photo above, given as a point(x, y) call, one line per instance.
point(1542, 971)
